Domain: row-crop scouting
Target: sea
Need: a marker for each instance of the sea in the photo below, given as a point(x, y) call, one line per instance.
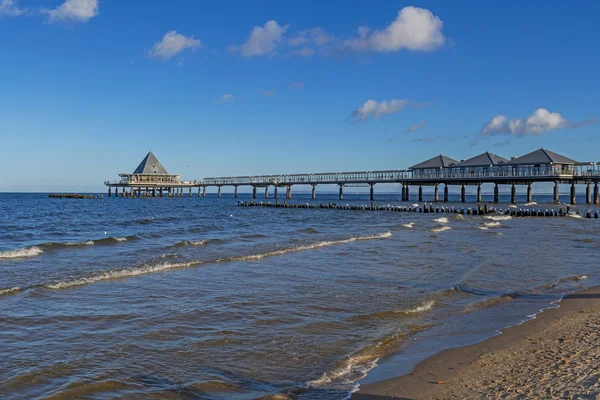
point(197, 298)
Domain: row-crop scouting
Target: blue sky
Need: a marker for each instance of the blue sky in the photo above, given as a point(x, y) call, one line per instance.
point(237, 87)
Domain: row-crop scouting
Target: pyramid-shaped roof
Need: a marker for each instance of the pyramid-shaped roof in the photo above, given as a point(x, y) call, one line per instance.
point(150, 165)
point(440, 161)
point(483, 160)
point(542, 156)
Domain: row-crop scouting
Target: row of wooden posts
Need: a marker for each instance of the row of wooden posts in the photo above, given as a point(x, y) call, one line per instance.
point(428, 208)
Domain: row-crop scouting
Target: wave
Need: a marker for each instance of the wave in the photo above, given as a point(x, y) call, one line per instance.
point(26, 252)
point(185, 243)
point(253, 236)
point(144, 221)
point(491, 224)
point(409, 225)
point(483, 227)
point(416, 205)
point(356, 366)
point(574, 215)
point(92, 242)
point(440, 229)
point(441, 220)
point(147, 269)
point(531, 203)
point(504, 298)
point(10, 290)
point(308, 230)
point(574, 278)
point(424, 306)
point(498, 217)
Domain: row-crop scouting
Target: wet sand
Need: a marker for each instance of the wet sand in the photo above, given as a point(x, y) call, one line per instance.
point(555, 355)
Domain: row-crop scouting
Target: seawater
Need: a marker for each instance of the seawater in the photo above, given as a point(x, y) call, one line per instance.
point(197, 298)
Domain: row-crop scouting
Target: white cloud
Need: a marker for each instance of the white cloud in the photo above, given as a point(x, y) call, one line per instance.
point(303, 52)
point(226, 98)
point(266, 93)
point(297, 85)
point(415, 127)
point(10, 8)
point(414, 29)
point(376, 109)
point(538, 123)
point(262, 41)
point(171, 44)
point(73, 10)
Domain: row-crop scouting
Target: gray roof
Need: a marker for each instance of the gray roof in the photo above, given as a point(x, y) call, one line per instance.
point(541, 156)
point(440, 161)
point(150, 165)
point(482, 160)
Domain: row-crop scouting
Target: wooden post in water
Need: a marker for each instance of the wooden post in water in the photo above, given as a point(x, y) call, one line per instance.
point(529, 193)
point(235, 191)
point(288, 193)
point(463, 196)
point(479, 198)
point(573, 193)
point(496, 192)
point(556, 193)
point(420, 193)
point(219, 191)
point(588, 194)
point(253, 192)
point(513, 194)
point(276, 193)
point(445, 192)
point(314, 191)
point(435, 192)
point(596, 199)
point(372, 191)
point(266, 192)
point(341, 192)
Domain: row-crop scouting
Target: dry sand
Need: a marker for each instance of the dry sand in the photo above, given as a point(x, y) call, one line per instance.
point(555, 355)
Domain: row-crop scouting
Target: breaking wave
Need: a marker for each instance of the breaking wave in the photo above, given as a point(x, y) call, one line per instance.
point(440, 229)
point(147, 269)
point(100, 242)
point(441, 220)
point(409, 225)
point(185, 243)
point(424, 306)
point(498, 217)
point(491, 224)
point(26, 252)
point(10, 290)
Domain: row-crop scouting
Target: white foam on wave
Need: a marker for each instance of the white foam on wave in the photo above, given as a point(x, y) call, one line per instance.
point(483, 227)
point(198, 243)
point(9, 290)
point(440, 229)
point(86, 243)
point(491, 224)
point(354, 369)
point(147, 269)
point(426, 306)
point(574, 215)
point(27, 252)
point(512, 206)
point(532, 203)
point(409, 225)
point(416, 205)
point(121, 239)
point(498, 217)
point(441, 220)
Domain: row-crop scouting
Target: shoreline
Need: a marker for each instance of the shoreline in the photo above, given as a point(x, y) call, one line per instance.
point(556, 353)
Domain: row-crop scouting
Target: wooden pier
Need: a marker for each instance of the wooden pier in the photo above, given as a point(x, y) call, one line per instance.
point(150, 179)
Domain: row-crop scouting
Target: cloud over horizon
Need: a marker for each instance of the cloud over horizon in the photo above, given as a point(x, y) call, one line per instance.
point(73, 10)
point(10, 8)
point(415, 127)
point(414, 29)
point(171, 44)
point(372, 108)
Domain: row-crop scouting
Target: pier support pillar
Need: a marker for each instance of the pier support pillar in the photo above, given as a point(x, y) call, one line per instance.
point(596, 199)
point(235, 190)
point(573, 193)
point(463, 196)
point(314, 192)
point(109, 191)
point(529, 193)
point(372, 191)
point(288, 192)
point(276, 193)
point(117, 191)
point(588, 194)
point(420, 193)
point(513, 194)
point(407, 193)
point(496, 192)
point(219, 191)
point(479, 198)
point(253, 192)
point(556, 193)
point(190, 192)
point(341, 192)
point(403, 192)
point(204, 191)
point(435, 192)
point(160, 192)
point(153, 192)
point(266, 192)
point(445, 192)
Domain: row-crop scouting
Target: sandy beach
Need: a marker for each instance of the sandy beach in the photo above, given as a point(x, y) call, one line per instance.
point(555, 355)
